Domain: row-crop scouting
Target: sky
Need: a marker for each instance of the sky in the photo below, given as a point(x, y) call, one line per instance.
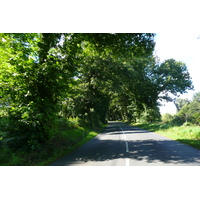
point(181, 46)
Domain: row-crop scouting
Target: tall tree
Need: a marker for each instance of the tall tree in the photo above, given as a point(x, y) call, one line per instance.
point(179, 103)
point(148, 81)
point(103, 71)
point(39, 71)
point(195, 108)
point(172, 77)
point(34, 83)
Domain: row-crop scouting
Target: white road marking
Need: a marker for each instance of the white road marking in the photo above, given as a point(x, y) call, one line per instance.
point(127, 162)
point(123, 133)
point(127, 149)
point(124, 136)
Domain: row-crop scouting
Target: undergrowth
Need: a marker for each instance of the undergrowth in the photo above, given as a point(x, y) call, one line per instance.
point(70, 135)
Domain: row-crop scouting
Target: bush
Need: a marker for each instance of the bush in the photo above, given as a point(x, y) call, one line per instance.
point(167, 118)
point(187, 124)
point(28, 128)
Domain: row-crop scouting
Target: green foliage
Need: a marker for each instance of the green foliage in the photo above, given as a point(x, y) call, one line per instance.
point(189, 135)
point(148, 81)
point(32, 87)
point(184, 112)
point(195, 109)
point(188, 111)
point(96, 77)
point(179, 103)
point(150, 115)
point(69, 135)
point(167, 117)
point(173, 77)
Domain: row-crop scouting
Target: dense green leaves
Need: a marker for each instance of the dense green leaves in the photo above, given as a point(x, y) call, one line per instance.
point(146, 81)
point(173, 77)
point(179, 103)
point(95, 77)
point(194, 109)
point(187, 111)
point(33, 84)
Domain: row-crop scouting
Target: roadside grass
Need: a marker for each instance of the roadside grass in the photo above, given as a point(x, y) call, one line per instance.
point(69, 140)
point(69, 136)
point(189, 135)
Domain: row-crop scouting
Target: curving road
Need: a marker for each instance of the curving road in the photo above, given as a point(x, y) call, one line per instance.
point(124, 145)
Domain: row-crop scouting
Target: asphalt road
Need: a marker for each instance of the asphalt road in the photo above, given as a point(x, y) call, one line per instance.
point(124, 145)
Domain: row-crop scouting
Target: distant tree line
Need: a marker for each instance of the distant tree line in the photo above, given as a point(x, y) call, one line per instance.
point(188, 111)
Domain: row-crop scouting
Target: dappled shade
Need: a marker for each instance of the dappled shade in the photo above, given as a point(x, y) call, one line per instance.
point(150, 149)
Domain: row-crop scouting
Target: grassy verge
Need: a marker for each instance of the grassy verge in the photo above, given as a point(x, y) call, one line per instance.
point(69, 136)
point(189, 135)
point(77, 133)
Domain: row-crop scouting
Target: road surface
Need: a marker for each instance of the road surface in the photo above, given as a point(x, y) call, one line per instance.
point(124, 145)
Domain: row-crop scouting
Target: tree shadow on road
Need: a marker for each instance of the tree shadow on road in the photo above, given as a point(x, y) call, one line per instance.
point(150, 151)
